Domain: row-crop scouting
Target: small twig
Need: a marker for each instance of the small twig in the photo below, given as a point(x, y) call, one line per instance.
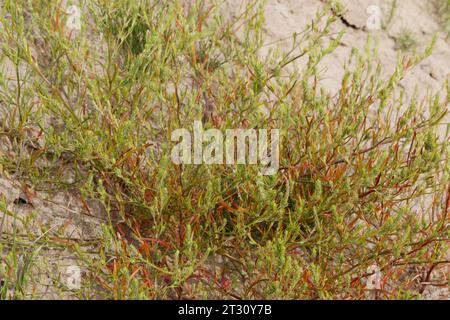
point(1, 225)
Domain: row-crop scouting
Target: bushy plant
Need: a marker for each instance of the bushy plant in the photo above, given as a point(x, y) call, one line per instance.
point(363, 178)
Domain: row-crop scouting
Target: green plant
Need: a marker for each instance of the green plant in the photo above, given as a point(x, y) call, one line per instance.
point(405, 40)
point(393, 6)
point(17, 263)
point(443, 7)
point(363, 178)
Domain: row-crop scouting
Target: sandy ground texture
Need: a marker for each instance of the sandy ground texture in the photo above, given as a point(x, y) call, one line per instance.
point(417, 17)
point(66, 219)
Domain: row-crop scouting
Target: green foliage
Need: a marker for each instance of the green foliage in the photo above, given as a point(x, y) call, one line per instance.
point(390, 14)
point(443, 7)
point(363, 177)
point(17, 263)
point(405, 40)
